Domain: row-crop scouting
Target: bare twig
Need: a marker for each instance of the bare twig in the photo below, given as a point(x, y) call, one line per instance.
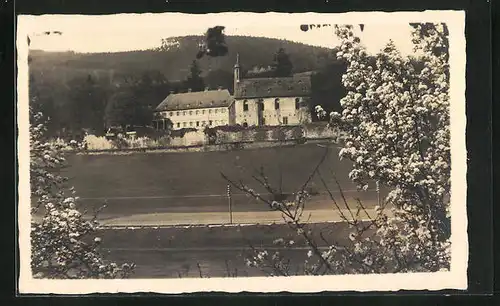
point(342, 215)
point(242, 188)
point(315, 169)
point(372, 221)
point(264, 183)
point(342, 194)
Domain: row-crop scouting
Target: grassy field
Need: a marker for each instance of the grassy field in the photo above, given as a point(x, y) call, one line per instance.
point(219, 251)
point(191, 182)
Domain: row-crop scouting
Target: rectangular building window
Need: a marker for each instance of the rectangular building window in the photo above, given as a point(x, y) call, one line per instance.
point(203, 112)
point(216, 111)
point(285, 120)
point(297, 103)
point(197, 112)
point(210, 122)
point(245, 106)
point(203, 123)
point(209, 111)
point(276, 104)
point(178, 124)
point(171, 114)
point(184, 113)
point(184, 124)
point(190, 112)
point(177, 113)
point(197, 123)
point(190, 123)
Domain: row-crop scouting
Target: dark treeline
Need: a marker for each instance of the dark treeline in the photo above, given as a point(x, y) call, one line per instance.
point(90, 103)
point(327, 88)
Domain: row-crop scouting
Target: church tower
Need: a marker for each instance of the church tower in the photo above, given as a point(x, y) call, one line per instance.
point(237, 71)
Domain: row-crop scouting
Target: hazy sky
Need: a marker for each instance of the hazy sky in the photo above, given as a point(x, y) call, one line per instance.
point(125, 32)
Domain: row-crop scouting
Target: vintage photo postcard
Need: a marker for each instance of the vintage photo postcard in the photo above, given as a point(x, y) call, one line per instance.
point(232, 152)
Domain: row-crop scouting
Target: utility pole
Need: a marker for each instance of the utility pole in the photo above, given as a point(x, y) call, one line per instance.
point(378, 192)
point(230, 204)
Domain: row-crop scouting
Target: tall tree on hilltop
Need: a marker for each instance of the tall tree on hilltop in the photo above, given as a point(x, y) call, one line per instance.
point(282, 65)
point(194, 80)
point(214, 43)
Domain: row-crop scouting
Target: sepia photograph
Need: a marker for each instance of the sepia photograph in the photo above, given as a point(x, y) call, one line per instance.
point(231, 152)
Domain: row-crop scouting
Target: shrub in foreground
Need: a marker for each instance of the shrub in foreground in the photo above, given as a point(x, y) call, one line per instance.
point(63, 241)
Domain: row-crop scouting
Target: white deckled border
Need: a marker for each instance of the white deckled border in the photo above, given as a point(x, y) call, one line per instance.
point(454, 279)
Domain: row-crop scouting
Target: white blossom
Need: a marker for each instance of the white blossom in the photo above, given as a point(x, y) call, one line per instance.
point(57, 241)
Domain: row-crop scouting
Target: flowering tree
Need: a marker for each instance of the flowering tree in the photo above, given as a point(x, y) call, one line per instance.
point(62, 242)
point(395, 119)
point(396, 115)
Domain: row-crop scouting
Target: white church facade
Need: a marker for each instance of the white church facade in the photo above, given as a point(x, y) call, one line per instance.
point(271, 101)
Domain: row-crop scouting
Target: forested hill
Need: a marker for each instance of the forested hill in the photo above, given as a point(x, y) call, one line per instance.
point(173, 61)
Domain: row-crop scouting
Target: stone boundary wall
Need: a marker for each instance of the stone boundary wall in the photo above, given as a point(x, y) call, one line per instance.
point(224, 137)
